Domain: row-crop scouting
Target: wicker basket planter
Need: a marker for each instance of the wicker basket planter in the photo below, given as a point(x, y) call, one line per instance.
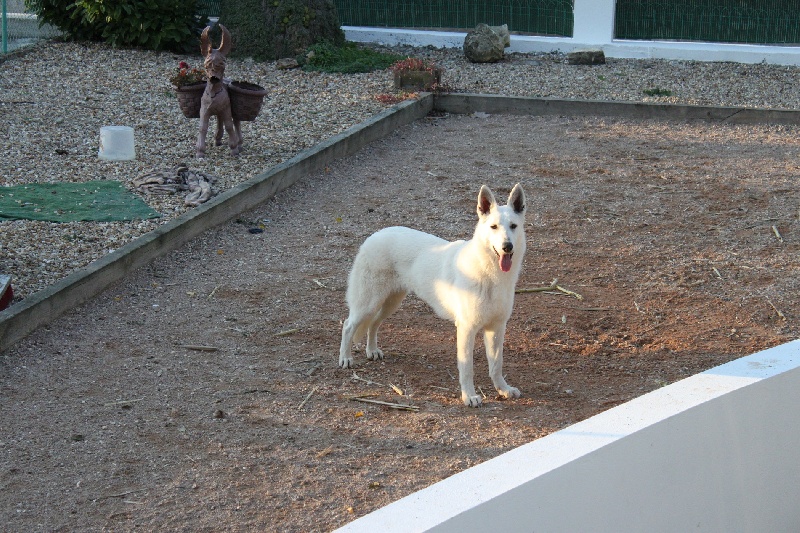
point(189, 97)
point(246, 99)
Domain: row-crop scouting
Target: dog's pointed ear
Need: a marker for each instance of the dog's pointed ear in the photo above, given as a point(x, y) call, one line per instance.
point(517, 199)
point(205, 42)
point(485, 201)
point(227, 42)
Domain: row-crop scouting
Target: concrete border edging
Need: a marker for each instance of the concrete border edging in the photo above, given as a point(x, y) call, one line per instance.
point(41, 308)
point(463, 103)
point(714, 452)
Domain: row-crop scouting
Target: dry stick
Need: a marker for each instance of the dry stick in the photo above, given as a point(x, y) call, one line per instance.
point(122, 402)
point(307, 398)
point(776, 309)
point(397, 389)
point(554, 286)
point(286, 332)
point(367, 381)
point(716, 272)
point(199, 348)
point(399, 406)
point(777, 233)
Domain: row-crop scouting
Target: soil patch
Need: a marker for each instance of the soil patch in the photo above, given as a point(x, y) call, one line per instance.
point(202, 393)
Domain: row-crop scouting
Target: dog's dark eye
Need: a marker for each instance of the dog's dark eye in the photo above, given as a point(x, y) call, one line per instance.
point(513, 226)
point(493, 226)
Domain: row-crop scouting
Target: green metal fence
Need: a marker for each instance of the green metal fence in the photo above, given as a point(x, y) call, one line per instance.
point(541, 17)
point(18, 27)
point(725, 21)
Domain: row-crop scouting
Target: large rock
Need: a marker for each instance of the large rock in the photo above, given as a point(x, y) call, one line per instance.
point(482, 45)
point(586, 56)
point(504, 34)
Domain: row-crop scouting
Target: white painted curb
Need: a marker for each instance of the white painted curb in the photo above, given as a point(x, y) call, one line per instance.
point(717, 451)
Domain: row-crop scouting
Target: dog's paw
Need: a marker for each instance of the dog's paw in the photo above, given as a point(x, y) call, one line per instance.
point(346, 362)
point(471, 400)
point(375, 355)
point(509, 393)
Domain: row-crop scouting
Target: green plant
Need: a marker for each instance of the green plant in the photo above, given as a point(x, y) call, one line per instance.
point(150, 24)
point(658, 91)
point(186, 75)
point(275, 29)
point(347, 58)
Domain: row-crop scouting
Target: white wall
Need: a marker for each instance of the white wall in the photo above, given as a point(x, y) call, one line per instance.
point(718, 451)
point(593, 27)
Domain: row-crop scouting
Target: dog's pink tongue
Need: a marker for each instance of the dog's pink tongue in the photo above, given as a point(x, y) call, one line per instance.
point(505, 262)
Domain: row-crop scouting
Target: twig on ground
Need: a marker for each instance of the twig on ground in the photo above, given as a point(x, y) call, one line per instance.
point(286, 332)
point(307, 398)
point(213, 292)
point(120, 495)
point(397, 389)
point(781, 315)
point(554, 286)
point(313, 369)
point(367, 381)
point(326, 451)
point(777, 233)
point(716, 272)
point(399, 406)
point(199, 347)
point(122, 402)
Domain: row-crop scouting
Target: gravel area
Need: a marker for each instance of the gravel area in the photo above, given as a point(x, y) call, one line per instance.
point(55, 97)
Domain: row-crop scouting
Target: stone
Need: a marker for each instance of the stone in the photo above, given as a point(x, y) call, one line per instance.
point(287, 63)
point(586, 56)
point(504, 34)
point(482, 45)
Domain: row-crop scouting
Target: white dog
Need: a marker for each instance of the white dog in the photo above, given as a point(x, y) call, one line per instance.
point(468, 282)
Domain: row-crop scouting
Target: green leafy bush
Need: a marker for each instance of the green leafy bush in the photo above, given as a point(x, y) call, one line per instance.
point(151, 24)
point(274, 29)
point(347, 58)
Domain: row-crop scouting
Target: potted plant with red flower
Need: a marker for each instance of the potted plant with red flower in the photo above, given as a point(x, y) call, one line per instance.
point(189, 82)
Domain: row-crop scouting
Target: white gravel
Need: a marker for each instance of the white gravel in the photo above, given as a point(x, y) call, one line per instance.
point(55, 97)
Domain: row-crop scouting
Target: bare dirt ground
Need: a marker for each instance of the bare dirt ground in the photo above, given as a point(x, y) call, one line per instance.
point(202, 393)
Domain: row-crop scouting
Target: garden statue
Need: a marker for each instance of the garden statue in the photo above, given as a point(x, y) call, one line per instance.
point(216, 100)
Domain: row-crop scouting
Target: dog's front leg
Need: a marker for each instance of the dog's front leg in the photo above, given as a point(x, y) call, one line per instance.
point(493, 340)
point(465, 340)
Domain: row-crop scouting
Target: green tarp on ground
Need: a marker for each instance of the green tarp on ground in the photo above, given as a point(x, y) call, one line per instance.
point(99, 201)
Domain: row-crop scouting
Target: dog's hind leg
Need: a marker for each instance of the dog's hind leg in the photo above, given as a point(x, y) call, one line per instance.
point(352, 325)
point(389, 306)
point(493, 340)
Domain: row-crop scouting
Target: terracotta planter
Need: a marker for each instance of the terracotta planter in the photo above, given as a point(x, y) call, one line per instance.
point(417, 80)
point(189, 98)
point(246, 99)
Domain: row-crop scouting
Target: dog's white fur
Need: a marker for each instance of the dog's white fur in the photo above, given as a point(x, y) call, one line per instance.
point(463, 281)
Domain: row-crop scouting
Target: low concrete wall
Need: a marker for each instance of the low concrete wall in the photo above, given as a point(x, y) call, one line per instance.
point(715, 452)
point(470, 103)
point(41, 308)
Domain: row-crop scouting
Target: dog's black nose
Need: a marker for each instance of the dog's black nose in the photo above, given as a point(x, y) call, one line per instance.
point(508, 247)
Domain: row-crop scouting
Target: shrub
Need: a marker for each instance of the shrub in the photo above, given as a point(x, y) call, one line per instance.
point(150, 24)
point(274, 29)
point(347, 58)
